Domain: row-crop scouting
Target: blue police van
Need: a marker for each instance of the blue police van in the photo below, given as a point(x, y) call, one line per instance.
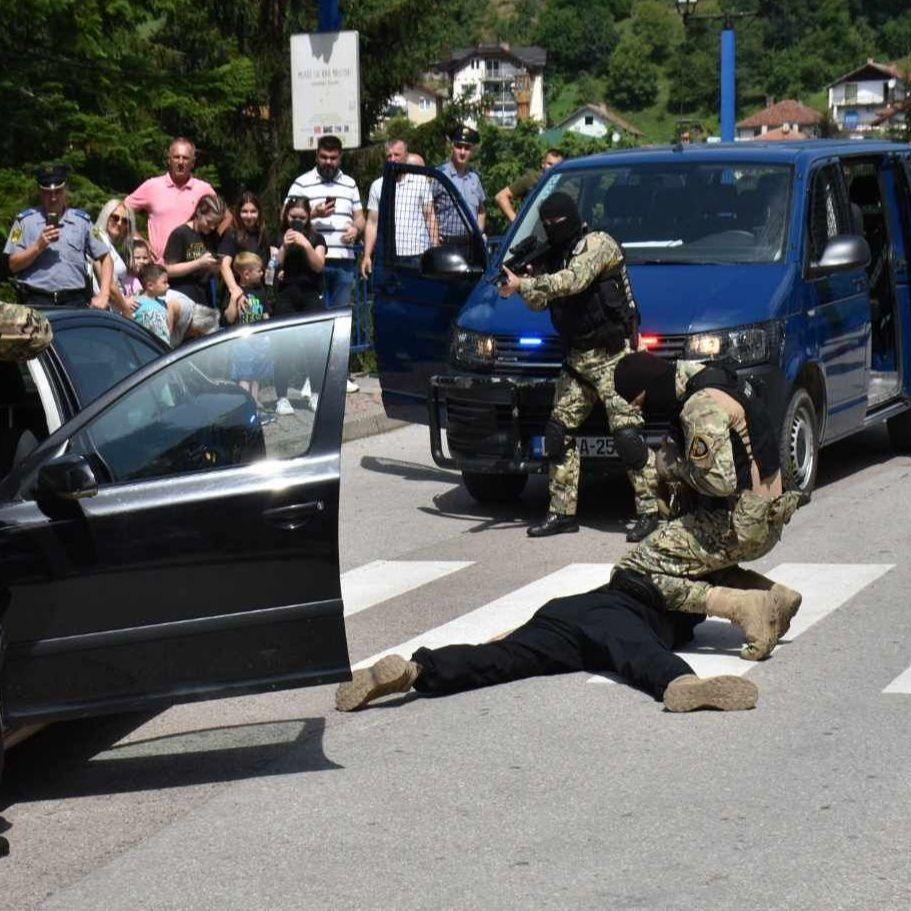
point(790, 260)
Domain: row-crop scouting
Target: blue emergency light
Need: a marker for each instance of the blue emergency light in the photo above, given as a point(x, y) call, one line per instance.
point(529, 342)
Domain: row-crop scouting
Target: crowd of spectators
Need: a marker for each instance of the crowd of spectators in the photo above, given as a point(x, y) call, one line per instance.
point(202, 265)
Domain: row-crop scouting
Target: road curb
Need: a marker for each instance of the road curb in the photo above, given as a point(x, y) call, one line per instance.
point(369, 426)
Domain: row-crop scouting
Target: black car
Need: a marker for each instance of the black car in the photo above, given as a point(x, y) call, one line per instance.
point(162, 538)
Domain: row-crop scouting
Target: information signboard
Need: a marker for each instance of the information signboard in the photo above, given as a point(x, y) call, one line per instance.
point(325, 88)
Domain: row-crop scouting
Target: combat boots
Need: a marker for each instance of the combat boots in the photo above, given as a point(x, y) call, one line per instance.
point(642, 527)
point(392, 674)
point(554, 524)
point(755, 612)
point(788, 599)
point(726, 693)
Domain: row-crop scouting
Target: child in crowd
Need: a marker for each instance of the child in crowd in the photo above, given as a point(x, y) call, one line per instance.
point(252, 362)
point(140, 255)
point(153, 312)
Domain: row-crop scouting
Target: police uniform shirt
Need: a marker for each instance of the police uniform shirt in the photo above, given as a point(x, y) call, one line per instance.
point(347, 203)
point(470, 189)
point(62, 266)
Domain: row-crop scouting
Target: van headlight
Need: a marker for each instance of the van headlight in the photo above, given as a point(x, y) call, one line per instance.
point(744, 346)
point(473, 349)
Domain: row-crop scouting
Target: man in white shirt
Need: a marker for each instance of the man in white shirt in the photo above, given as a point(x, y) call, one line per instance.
point(415, 218)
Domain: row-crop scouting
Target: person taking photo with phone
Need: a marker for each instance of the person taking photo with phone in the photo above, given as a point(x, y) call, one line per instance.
point(49, 246)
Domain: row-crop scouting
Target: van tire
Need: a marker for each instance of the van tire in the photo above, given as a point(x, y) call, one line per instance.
point(799, 443)
point(900, 431)
point(494, 488)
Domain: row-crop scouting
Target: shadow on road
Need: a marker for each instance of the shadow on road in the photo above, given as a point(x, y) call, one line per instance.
point(83, 758)
point(847, 457)
point(410, 471)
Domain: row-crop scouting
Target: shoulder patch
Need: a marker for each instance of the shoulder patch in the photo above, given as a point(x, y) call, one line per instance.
point(15, 235)
point(700, 452)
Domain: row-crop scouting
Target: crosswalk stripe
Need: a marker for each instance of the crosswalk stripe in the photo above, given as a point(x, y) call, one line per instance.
point(901, 684)
point(824, 586)
point(381, 580)
point(505, 613)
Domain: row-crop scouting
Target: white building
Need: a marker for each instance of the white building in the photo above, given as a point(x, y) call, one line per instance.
point(597, 120)
point(510, 79)
point(419, 103)
point(857, 99)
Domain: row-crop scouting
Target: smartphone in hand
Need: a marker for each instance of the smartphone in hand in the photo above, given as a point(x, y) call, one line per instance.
point(52, 219)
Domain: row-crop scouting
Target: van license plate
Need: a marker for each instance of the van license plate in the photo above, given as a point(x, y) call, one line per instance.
point(595, 447)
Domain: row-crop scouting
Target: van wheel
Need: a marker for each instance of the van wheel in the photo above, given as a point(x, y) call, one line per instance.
point(799, 444)
point(900, 431)
point(494, 488)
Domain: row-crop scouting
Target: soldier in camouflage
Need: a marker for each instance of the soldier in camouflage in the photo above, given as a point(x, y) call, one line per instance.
point(728, 458)
point(591, 304)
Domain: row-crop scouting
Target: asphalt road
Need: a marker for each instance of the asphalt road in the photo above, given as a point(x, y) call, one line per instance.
point(563, 792)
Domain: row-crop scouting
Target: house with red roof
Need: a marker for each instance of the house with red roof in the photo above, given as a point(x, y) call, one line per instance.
point(859, 98)
point(788, 119)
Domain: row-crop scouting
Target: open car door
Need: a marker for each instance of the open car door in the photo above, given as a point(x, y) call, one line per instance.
point(174, 541)
point(422, 217)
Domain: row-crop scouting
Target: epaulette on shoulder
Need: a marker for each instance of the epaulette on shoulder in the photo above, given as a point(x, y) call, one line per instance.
point(82, 214)
point(25, 214)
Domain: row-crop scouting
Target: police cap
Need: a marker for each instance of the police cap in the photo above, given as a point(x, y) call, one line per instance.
point(52, 177)
point(462, 133)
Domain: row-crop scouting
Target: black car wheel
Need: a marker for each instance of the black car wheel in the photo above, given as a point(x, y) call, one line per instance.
point(900, 431)
point(494, 488)
point(800, 443)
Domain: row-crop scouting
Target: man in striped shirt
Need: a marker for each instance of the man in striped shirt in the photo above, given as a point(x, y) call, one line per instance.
point(335, 207)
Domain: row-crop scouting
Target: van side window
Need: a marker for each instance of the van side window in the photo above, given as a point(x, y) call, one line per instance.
point(829, 213)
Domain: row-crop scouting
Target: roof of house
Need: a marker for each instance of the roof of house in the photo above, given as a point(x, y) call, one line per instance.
point(605, 113)
point(783, 134)
point(787, 111)
point(531, 56)
point(873, 70)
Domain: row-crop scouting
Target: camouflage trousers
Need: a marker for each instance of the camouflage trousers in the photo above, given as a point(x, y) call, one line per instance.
point(24, 333)
point(573, 402)
point(681, 555)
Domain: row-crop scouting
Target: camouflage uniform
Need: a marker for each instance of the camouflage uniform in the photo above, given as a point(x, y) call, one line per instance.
point(24, 333)
point(681, 556)
point(597, 252)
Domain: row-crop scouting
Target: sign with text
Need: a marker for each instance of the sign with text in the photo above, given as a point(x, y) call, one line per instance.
point(325, 88)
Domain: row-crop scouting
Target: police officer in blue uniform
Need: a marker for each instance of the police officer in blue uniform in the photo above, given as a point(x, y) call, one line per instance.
point(50, 248)
point(465, 179)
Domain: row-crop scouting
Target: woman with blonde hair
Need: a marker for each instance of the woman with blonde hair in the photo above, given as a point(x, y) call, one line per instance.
point(115, 225)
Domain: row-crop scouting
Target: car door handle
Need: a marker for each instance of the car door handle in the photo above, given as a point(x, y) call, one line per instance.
point(290, 518)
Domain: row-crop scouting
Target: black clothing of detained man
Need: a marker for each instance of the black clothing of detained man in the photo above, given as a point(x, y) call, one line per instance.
point(621, 628)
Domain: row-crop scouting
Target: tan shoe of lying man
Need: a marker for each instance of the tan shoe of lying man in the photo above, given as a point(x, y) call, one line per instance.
point(726, 694)
point(392, 674)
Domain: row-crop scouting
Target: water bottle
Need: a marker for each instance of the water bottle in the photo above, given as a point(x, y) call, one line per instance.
point(270, 271)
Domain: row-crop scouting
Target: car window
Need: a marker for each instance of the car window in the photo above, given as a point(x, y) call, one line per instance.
point(98, 357)
point(215, 408)
point(686, 212)
point(23, 424)
point(829, 213)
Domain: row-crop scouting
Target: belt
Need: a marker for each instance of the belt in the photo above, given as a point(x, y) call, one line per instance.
point(58, 297)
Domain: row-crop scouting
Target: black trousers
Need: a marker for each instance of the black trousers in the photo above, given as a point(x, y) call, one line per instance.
point(600, 631)
point(293, 299)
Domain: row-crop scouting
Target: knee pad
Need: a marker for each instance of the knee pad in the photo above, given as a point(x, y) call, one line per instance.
point(556, 441)
point(631, 447)
point(639, 587)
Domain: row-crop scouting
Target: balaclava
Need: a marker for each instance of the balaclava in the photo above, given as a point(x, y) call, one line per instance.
point(563, 235)
point(644, 372)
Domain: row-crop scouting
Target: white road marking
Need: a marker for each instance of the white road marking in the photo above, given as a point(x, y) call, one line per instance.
point(381, 580)
point(825, 587)
point(901, 684)
point(505, 613)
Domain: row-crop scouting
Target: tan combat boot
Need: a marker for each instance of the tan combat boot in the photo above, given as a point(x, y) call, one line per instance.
point(726, 693)
point(392, 674)
point(788, 599)
point(755, 612)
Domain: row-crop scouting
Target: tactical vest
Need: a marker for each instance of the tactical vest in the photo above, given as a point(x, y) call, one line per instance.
point(763, 438)
point(603, 315)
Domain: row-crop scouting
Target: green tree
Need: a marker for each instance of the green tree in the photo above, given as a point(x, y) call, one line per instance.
point(896, 36)
point(578, 35)
point(632, 79)
point(657, 26)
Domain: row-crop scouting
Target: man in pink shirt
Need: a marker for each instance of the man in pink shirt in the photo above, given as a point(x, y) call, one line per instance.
point(170, 199)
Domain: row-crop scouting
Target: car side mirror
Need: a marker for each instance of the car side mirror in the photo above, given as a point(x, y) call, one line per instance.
point(448, 264)
point(68, 477)
point(843, 253)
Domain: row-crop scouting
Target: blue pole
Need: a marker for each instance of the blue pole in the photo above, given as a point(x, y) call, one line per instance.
point(330, 16)
point(728, 84)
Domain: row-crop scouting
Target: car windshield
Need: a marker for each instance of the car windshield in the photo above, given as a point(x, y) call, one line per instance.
point(686, 212)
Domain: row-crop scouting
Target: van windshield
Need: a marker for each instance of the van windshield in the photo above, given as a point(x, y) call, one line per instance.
point(687, 212)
